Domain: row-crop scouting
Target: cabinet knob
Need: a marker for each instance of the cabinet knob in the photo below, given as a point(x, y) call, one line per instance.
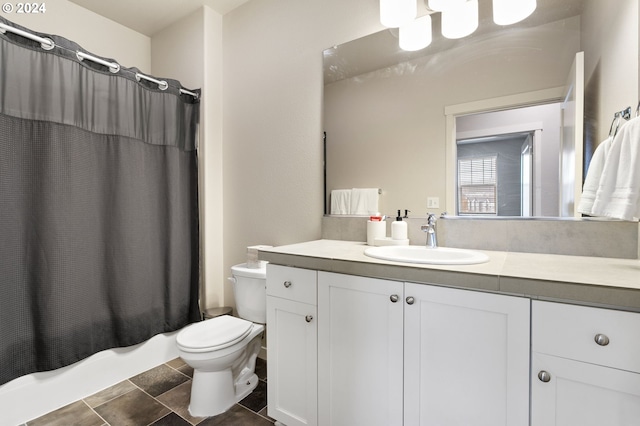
point(393, 298)
point(410, 300)
point(308, 318)
point(601, 339)
point(287, 284)
point(544, 376)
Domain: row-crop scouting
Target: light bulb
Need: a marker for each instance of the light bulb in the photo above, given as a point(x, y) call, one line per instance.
point(395, 13)
point(416, 34)
point(507, 12)
point(460, 20)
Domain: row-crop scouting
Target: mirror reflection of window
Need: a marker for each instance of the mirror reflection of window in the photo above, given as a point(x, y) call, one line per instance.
point(477, 185)
point(494, 175)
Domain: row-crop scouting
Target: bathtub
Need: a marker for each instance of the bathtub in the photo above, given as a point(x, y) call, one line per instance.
point(33, 395)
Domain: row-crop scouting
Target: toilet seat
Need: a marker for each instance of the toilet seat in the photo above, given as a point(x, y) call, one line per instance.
point(214, 334)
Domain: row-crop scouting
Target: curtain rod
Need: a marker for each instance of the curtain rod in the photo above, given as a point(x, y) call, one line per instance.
point(114, 67)
point(46, 43)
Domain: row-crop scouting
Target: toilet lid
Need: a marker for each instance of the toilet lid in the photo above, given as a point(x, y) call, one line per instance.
point(215, 333)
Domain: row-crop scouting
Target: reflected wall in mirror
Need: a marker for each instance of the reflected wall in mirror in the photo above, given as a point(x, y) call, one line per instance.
point(390, 116)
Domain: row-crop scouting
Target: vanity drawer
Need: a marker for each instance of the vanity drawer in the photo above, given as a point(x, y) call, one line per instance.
point(292, 283)
point(599, 336)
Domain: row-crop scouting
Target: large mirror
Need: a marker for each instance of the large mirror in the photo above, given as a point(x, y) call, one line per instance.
point(402, 121)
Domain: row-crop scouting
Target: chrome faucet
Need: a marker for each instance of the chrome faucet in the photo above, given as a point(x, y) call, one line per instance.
point(430, 229)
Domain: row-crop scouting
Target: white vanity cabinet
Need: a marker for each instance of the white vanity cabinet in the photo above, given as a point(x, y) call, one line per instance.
point(393, 353)
point(585, 366)
point(466, 357)
point(292, 345)
point(360, 350)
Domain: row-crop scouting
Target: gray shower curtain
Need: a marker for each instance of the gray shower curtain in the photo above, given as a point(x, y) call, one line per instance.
point(98, 206)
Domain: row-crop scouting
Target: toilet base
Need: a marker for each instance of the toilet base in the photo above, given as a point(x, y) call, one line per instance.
point(245, 388)
point(214, 388)
point(212, 392)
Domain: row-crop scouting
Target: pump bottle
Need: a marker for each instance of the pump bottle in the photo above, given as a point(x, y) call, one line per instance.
point(399, 228)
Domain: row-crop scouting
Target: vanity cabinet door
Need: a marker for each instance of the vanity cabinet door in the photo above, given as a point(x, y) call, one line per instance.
point(360, 351)
point(566, 392)
point(292, 369)
point(466, 357)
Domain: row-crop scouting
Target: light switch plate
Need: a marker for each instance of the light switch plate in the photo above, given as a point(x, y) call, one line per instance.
point(433, 202)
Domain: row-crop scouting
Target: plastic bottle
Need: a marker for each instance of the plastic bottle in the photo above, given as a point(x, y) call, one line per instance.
point(399, 228)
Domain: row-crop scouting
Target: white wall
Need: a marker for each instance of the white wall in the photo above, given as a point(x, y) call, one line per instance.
point(191, 50)
point(93, 32)
point(272, 116)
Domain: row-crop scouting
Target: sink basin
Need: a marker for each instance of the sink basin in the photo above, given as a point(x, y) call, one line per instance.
point(422, 254)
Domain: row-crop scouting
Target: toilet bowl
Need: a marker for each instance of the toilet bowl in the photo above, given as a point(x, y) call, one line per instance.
point(223, 350)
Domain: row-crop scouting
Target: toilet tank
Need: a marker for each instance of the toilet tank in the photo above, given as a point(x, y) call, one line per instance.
point(250, 291)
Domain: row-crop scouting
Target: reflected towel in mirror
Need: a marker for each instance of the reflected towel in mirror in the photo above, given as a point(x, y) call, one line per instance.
point(364, 201)
point(340, 201)
point(594, 173)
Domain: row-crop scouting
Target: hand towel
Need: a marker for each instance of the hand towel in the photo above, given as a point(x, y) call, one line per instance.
point(340, 201)
point(618, 194)
point(364, 201)
point(594, 173)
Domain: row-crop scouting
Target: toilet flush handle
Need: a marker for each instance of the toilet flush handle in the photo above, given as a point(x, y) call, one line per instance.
point(233, 280)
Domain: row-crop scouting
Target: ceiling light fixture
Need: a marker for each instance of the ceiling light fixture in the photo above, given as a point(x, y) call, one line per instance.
point(416, 34)
point(440, 5)
point(395, 13)
point(460, 20)
point(507, 12)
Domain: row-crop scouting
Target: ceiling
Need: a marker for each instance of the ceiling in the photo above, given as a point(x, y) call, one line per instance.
point(150, 16)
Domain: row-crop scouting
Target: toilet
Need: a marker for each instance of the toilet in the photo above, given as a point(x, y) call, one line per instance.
point(223, 350)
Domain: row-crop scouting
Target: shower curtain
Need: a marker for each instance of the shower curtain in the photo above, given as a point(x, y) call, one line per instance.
point(98, 205)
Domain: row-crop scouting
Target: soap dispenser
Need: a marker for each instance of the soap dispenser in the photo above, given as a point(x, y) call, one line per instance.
point(399, 228)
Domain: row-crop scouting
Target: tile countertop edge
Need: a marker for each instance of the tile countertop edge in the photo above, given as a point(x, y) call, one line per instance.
point(613, 283)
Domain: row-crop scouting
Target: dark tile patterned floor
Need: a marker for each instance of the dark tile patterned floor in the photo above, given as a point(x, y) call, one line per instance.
point(158, 397)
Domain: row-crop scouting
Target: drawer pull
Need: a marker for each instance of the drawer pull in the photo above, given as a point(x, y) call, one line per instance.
point(544, 376)
point(393, 298)
point(410, 300)
point(308, 318)
point(287, 284)
point(601, 339)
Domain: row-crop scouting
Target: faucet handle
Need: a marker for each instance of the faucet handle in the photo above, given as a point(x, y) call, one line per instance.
point(431, 218)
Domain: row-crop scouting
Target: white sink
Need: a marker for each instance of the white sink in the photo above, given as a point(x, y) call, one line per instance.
point(423, 254)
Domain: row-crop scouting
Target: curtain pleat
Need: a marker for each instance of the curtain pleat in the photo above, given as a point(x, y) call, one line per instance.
point(99, 239)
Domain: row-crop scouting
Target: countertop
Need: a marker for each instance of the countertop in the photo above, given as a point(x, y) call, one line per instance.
point(595, 281)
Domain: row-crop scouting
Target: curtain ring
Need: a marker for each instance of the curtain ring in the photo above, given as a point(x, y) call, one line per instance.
point(162, 84)
point(47, 44)
point(114, 67)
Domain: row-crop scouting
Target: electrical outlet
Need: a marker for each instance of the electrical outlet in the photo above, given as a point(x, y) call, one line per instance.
point(433, 202)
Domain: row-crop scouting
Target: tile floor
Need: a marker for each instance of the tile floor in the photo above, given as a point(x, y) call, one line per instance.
point(159, 396)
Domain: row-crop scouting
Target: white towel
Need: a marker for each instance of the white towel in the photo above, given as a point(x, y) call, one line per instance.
point(364, 201)
point(340, 201)
point(594, 173)
point(618, 194)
